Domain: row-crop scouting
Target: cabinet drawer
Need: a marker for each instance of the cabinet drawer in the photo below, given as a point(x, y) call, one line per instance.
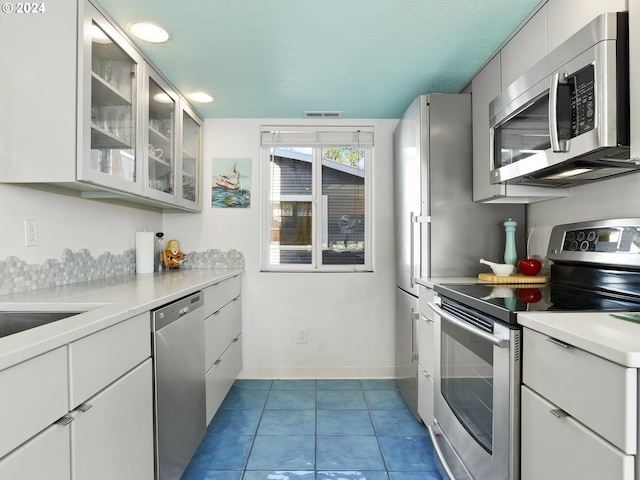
point(599, 393)
point(426, 344)
point(99, 359)
point(562, 447)
point(33, 396)
point(425, 295)
point(234, 286)
point(215, 297)
point(221, 376)
point(220, 329)
point(426, 396)
point(44, 456)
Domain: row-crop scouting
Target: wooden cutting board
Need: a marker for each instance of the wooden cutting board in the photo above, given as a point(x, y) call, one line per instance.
point(518, 278)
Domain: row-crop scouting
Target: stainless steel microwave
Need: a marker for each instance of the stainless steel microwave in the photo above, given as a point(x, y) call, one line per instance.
point(566, 120)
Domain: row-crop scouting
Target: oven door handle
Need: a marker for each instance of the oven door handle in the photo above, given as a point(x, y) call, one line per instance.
point(498, 342)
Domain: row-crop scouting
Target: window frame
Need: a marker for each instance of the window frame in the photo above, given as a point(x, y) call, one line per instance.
point(315, 138)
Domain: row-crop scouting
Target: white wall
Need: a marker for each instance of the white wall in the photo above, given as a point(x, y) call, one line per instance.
point(349, 316)
point(67, 222)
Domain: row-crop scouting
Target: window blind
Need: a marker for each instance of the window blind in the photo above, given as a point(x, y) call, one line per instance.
point(305, 137)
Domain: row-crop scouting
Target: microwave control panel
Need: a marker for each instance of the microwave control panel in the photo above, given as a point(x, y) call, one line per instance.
point(581, 93)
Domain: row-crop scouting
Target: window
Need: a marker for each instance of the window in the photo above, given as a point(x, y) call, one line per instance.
point(317, 205)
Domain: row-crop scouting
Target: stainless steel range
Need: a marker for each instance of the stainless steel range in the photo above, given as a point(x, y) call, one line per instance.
point(596, 267)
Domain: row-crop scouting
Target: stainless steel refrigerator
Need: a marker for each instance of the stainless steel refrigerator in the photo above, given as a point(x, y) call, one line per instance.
point(440, 232)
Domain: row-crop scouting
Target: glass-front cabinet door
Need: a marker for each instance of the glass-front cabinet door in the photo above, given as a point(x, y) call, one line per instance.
point(190, 165)
point(110, 75)
point(160, 136)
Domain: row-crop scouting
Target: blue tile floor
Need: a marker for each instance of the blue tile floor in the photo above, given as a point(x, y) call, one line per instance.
point(314, 430)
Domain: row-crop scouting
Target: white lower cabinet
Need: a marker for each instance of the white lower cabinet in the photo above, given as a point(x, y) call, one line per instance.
point(44, 456)
point(81, 411)
point(223, 340)
point(33, 396)
point(426, 396)
point(114, 437)
point(427, 352)
point(555, 445)
point(579, 413)
point(221, 376)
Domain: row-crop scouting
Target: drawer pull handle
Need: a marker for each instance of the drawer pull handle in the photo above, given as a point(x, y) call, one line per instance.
point(66, 420)
point(84, 407)
point(558, 413)
point(558, 342)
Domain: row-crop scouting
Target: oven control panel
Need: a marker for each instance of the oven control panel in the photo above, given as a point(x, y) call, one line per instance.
point(611, 240)
point(615, 242)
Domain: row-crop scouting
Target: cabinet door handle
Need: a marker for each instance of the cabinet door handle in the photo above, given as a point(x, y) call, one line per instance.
point(427, 319)
point(558, 413)
point(84, 407)
point(66, 420)
point(558, 342)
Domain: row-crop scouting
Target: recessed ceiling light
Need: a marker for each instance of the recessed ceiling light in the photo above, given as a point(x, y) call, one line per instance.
point(200, 97)
point(149, 32)
point(162, 97)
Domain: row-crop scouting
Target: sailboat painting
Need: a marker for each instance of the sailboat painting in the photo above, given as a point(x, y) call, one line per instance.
point(231, 183)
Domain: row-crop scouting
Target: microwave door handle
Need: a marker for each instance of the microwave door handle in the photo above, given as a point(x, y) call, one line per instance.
point(498, 342)
point(556, 145)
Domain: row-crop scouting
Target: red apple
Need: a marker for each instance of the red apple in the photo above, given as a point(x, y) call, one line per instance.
point(529, 295)
point(529, 266)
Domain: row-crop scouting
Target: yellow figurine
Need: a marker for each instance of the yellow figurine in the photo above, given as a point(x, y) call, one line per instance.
point(172, 257)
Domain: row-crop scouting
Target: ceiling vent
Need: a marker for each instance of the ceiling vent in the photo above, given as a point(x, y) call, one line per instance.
point(316, 114)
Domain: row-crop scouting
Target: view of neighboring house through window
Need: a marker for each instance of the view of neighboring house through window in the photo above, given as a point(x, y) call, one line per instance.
point(318, 206)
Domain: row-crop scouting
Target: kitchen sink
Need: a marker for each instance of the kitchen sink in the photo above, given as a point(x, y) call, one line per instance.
point(14, 322)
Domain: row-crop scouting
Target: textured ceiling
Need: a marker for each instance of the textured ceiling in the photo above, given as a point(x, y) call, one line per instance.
point(278, 58)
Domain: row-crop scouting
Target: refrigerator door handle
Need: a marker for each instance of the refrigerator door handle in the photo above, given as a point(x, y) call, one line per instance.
point(415, 219)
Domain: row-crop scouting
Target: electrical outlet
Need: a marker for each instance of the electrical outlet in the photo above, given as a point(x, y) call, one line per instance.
point(301, 335)
point(30, 233)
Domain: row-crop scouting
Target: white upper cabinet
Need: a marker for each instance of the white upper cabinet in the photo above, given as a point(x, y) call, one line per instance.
point(160, 137)
point(190, 159)
point(110, 74)
point(566, 17)
point(525, 49)
point(38, 95)
point(80, 107)
point(172, 140)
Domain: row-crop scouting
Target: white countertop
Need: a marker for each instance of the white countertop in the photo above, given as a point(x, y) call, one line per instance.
point(104, 303)
point(429, 282)
point(596, 332)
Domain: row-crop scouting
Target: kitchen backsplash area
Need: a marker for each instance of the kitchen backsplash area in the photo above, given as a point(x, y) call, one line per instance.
point(17, 275)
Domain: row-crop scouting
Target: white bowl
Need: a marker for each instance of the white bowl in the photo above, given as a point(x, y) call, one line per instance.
point(500, 269)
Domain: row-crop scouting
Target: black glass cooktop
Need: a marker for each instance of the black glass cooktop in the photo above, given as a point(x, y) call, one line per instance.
point(504, 301)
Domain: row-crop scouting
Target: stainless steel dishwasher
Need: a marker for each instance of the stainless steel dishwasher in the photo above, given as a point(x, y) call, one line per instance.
point(179, 383)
